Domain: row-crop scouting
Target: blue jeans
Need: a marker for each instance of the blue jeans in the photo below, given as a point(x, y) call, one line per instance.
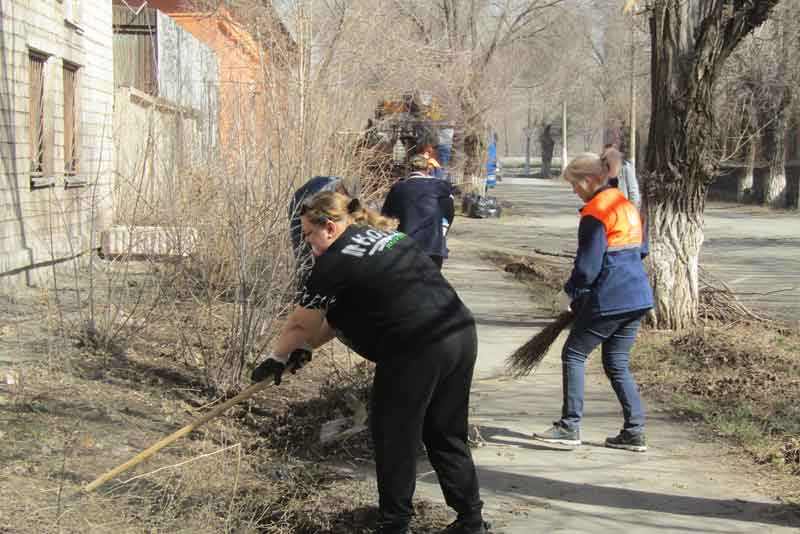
point(617, 334)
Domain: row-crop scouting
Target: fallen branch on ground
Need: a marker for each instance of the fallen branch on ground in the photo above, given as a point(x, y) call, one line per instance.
point(556, 254)
point(719, 303)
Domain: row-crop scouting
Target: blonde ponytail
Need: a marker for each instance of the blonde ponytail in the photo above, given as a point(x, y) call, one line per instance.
point(591, 167)
point(612, 161)
point(332, 206)
point(365, 216)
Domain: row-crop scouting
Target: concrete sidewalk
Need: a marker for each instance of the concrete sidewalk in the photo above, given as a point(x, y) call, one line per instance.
point(681, 484)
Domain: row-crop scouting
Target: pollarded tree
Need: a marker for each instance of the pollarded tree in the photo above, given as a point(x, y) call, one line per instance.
point(776, 82)
point(691, 39)
point(757, 97)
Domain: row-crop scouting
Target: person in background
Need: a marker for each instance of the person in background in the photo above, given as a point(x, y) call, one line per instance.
point(433, 168)
point(491, 163)
point(626, 180)
point(378, 292)
point(610, 294)
point(350, 186)
point(444, 151)
point(423, 205)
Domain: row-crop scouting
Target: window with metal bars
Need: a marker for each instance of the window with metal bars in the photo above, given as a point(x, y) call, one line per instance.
point(136, 49)
point(71, 122)
point(36, 132)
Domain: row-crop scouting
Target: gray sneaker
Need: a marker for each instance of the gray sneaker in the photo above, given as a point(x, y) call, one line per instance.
point(627, 441)
point(559, 434)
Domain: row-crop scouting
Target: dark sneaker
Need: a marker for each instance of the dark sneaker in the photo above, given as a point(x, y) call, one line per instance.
point(628, 441)
point(386, 529)
point(392, 527)
point(459, 526)
point(559, 434)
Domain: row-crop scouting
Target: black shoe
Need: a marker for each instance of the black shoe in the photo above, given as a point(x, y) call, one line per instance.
point(391, 527)
point(460, 526)
point(392, 530)
point(628, 441)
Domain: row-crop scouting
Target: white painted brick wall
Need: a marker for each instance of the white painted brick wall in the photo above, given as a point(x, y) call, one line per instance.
point(32, 223)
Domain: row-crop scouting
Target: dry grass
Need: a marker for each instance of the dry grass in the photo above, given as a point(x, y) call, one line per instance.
point(543, 274)
point(740, 382)
point(258, 469)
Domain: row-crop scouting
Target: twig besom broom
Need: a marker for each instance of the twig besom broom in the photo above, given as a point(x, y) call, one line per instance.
point(527, 358)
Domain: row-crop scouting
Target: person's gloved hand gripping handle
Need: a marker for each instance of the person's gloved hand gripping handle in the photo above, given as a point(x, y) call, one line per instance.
point(274, 366)
point(271, 367)
point(292, 350)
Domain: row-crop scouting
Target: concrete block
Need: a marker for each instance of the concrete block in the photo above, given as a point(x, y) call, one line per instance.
point(147, 241)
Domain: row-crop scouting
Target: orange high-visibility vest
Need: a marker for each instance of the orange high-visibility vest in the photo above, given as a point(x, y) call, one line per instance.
point(620, 217)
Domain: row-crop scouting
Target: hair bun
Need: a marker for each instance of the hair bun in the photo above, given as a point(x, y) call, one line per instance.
point(353, 206)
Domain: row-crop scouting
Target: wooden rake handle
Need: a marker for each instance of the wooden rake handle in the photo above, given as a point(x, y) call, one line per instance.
point(139, 458)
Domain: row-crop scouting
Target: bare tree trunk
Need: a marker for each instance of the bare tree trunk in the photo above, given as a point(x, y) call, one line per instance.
point(474, 135)
point(472, 153)
point(528, 130)
point(675, 242)
point(744, 182)
point(547, 145)
point(690, 42)
point(564, 153)
point(775, 151)
point(527, 155)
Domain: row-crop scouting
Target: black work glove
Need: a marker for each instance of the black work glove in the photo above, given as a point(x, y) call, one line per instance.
point(298, 358)
point(269, 367)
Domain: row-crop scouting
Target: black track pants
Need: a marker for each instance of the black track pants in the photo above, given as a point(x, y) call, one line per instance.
point(425, 396)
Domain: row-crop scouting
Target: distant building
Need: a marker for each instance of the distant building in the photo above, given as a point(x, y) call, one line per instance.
point(245, 68)
point(166, 113)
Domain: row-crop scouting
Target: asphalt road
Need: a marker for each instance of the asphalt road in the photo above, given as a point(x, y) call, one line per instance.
point(685, 482)
point(755, 251)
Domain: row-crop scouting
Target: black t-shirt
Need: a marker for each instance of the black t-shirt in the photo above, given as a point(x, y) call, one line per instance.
point(383, 294)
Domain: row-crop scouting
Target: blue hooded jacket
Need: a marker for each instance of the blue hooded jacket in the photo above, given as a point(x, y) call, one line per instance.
point(421, 204)
point(608, 274)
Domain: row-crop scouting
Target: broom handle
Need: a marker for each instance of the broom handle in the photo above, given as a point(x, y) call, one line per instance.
point(248, 392)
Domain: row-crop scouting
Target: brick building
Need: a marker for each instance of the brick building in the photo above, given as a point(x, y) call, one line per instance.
point(56, 106)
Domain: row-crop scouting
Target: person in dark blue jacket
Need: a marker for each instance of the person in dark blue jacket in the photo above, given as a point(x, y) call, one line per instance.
point(350, 186)
point(610, 294)
point(423, 205)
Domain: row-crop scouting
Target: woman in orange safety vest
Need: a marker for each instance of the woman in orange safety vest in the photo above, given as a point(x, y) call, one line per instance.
point(610, 294)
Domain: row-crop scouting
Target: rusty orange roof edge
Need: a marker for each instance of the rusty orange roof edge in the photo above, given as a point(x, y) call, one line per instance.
point(230, 27)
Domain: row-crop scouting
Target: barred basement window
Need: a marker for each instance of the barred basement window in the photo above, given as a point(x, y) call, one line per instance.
point(37, 141)
point(71, 126)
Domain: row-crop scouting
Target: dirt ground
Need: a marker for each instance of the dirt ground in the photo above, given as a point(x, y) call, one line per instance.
point(71, 411)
